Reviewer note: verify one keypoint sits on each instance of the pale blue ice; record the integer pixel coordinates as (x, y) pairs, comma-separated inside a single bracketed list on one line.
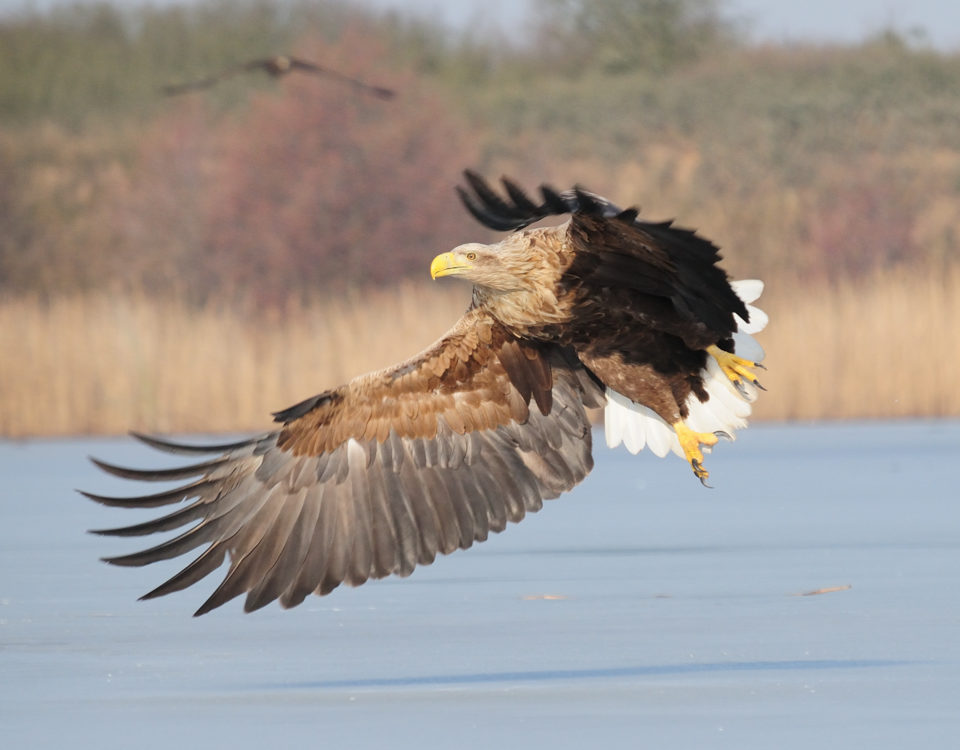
[(639, 611)]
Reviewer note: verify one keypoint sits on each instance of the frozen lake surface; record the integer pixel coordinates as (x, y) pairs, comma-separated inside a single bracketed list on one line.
[(640, 610)]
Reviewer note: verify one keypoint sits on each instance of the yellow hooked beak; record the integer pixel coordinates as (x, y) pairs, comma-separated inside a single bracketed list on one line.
[(447, 264)]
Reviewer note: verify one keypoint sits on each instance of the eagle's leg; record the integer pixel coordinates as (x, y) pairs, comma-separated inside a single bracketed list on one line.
[(737, 369), (690, 442)]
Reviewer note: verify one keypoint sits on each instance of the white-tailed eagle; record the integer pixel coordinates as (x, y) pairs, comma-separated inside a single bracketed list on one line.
[(386, 472)]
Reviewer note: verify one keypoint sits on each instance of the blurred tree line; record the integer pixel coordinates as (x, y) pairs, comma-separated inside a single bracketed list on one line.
[(810, 161)]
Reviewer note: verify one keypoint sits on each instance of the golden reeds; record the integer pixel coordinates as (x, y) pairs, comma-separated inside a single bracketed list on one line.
[(887, 346), (103, 365)]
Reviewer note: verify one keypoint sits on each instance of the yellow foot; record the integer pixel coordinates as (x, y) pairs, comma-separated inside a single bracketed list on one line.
[(690, 442), (737, 369)]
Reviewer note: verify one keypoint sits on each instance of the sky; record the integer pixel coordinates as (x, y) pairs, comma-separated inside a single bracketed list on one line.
[(850, 20), (773, 20), (937, 21)]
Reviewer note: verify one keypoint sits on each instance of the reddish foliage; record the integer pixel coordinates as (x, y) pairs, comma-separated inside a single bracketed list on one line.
[(315, 185), (161, 219), (862, 222)]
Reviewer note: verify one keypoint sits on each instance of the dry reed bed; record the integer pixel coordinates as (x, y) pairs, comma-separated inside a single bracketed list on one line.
[(887, 346), (103, 365), (882, 347)]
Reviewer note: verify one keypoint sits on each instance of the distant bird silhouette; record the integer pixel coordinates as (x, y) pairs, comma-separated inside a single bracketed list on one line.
[(277, 66)]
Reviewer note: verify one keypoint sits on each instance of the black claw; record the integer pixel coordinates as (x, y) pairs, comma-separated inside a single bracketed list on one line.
[(700, 473), (723, 435), (759, 365), (741, 388), (757, 383)]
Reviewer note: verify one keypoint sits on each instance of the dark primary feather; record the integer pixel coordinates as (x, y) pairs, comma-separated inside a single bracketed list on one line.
[(486, 205), (159, 475)]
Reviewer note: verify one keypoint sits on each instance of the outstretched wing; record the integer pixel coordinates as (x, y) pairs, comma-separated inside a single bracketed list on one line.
[(312, 68), (615, 250), (377, 476), (211, 80), (173, 89)]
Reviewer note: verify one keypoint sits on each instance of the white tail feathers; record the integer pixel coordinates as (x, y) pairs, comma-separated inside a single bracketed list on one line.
[(639, 427), (636, 426), (749, 290), (744, 344)]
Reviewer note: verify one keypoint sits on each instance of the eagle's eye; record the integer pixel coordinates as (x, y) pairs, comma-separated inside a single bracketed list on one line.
[(471, 256)]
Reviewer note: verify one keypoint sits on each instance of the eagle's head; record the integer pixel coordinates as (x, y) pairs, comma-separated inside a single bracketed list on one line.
[(507, 266)]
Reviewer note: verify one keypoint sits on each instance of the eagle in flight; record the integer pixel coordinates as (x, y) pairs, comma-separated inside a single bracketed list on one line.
[(397, 466), (277, 67)]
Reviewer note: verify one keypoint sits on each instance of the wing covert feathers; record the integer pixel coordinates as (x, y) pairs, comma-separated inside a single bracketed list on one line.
[(376, 477)]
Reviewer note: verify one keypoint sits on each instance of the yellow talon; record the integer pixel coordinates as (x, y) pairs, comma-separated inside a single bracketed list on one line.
[(737, 369), (690, 442)]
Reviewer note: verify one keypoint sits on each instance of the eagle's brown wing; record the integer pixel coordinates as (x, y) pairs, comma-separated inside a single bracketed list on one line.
[(668, 273), (308, 67), (380, 475), (199, 84)]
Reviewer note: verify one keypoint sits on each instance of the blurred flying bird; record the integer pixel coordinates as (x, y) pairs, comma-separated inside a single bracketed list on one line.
[(277, 67)]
